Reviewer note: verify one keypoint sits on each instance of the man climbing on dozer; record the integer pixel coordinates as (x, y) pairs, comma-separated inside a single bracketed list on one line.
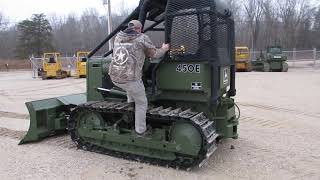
[(131, 47)]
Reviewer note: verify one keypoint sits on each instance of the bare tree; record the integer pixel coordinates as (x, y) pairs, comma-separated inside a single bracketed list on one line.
[(254, 13), (235, 7), (7, 38), (123, 10), (93, 32), (1, 19), (292, 13), (259, 23), (56, 21), (271, 25), (67, 36), (316, 29), (3, 22)]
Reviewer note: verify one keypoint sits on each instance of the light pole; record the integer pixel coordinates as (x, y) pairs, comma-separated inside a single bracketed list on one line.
[(107, 5)]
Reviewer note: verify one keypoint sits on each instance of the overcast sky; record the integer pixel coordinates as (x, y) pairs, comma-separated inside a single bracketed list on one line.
[(18, 10)]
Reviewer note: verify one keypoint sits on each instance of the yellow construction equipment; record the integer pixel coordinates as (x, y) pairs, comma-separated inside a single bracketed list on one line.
[(243, 62), (82, 64), (52, 67)]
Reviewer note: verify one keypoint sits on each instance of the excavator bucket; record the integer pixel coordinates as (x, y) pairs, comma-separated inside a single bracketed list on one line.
[(48, 116)]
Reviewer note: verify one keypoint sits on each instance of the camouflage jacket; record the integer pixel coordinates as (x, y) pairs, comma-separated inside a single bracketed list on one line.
[(129, 53)]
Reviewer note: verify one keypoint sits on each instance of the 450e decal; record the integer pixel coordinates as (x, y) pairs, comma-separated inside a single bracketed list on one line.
[(188, 68)]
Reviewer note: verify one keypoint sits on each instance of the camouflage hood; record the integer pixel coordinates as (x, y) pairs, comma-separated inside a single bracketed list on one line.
[(129, 55), (128, 35)]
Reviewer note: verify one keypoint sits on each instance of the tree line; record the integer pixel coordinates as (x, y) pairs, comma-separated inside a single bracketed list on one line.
[(290, 23), (259, 23), (43, 33)]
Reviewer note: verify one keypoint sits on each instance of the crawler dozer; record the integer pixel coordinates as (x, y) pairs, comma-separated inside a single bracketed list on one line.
[(189, 91), (81, 64), (273, 60), (52, 67), (243, 62)]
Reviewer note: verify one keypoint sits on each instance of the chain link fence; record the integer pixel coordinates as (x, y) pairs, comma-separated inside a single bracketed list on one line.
[(296, 58), (68, 63)]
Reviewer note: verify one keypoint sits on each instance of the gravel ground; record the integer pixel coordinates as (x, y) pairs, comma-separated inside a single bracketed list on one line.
[(279, 134)]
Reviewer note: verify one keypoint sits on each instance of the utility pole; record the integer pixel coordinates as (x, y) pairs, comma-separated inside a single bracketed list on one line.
[(107, 5)]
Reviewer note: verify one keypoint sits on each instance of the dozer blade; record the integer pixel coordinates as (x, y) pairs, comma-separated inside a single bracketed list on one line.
[(48, 116)]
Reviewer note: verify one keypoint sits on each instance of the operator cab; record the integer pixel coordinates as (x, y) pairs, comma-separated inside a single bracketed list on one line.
[(275, 50), (84, 59), (52, 59)]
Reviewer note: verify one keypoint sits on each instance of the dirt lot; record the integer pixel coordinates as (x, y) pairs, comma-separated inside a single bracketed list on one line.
[(279, 134)]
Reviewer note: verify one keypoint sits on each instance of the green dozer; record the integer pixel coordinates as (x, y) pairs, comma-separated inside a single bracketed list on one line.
[(189, 91), (274, 60)]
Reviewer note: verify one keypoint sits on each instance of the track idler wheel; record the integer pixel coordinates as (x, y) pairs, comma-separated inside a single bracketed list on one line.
[(84, 119), (188, 137), (285, 67), (43, 75), (266, 67)]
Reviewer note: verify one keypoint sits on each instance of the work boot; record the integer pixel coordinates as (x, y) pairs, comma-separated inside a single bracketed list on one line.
[(131, 106), (147, 133)]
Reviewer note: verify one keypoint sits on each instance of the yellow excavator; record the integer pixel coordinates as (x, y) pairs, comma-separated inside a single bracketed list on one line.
[(81, 64), (243, 62), (52, 67)]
